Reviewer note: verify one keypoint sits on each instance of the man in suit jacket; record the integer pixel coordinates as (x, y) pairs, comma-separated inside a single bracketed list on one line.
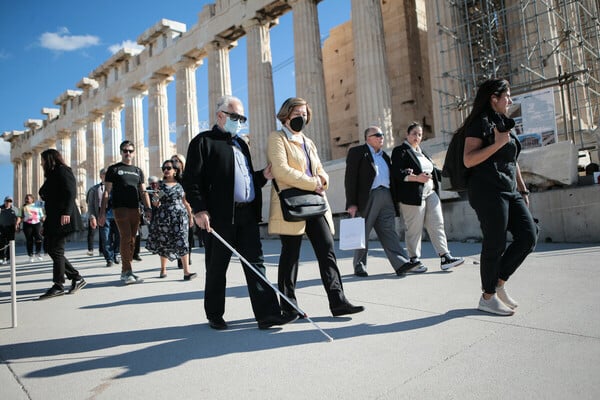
[(369, 195)]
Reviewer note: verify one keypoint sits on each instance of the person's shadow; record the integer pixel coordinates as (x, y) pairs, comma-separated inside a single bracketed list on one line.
[(178, 344)]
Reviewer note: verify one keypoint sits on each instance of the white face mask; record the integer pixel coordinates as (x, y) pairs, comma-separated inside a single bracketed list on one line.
[(233, 127)]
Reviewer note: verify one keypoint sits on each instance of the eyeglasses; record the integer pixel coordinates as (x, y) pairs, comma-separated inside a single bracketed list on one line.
[(236, 117), (378, 134), (167, 168), (125, 151)]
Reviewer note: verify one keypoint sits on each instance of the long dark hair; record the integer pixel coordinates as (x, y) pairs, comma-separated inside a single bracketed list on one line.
[(481, 105), (52, 159)]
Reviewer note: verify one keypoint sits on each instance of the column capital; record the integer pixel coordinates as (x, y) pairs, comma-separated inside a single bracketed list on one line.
[(219, 43), (26, 155), (260, 20), (189, 61)]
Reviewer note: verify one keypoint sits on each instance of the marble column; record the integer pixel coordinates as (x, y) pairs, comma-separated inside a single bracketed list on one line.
[(373, 93), (27, 182), (219, 75), (310, 80), (18, 178), (37, 172), (134, 124), (95, 148), (63, 145), (187, 103), (78, 161), (261, 98), (112, 134), (158, 124)]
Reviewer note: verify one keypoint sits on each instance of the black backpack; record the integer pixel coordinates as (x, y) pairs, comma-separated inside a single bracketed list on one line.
[(454, 172)]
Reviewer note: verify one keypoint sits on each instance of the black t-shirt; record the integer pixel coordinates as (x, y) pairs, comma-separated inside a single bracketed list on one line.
[(500, 169), (126, 180)]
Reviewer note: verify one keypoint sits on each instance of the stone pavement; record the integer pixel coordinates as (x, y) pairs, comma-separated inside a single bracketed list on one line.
[(419, 338)]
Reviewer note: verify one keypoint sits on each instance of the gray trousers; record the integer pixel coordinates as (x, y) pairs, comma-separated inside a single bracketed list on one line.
[(429, 216), (380, 214)]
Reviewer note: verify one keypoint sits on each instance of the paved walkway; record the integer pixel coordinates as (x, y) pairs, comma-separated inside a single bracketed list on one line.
[(419, 338)]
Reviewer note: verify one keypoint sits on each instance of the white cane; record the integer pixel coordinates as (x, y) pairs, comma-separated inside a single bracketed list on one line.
[(264, 278)]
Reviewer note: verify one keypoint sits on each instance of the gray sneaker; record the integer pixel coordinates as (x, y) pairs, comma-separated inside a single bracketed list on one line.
[(137, 278), (127, 278), (418, 269), (494, 306)]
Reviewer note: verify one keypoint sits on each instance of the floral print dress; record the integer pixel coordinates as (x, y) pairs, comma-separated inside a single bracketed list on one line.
[(168, 231)]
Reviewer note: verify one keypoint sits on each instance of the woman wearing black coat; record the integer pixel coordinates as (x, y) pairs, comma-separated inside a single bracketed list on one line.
[(62, 218), (417, 183)]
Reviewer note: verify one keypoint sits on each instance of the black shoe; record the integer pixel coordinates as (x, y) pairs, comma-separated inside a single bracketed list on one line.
[(407, 266), (179, 263), (76, 285), (274, 320), (137, 258), (217, 323), (345, 309), (359, 270), (189, 277), (54, 291), (109, 263), (117, 260)]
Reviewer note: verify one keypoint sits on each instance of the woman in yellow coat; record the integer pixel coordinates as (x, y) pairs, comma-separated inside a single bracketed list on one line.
[(295, 163)]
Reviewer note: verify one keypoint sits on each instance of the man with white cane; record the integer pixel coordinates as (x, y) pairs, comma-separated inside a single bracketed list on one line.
[(224, 192)]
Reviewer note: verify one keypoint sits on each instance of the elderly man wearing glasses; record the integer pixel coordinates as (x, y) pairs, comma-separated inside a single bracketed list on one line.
[(224, 192), (369, 195)]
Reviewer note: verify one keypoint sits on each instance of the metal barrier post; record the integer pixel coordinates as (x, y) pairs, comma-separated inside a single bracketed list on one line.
[(13, 283)]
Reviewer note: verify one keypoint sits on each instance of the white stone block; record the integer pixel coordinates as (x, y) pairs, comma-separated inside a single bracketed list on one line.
[(554, 164)]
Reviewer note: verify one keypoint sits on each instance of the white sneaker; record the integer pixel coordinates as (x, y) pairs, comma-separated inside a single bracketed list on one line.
[(494, 306), (31, 259), (506, 299), (40, 258), (3, 262), (90, 253)]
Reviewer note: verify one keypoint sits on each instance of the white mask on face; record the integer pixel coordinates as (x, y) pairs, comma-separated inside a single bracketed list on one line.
[(233, 127)]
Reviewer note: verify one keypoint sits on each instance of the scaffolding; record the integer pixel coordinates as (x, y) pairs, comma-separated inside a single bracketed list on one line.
[(535, 44)]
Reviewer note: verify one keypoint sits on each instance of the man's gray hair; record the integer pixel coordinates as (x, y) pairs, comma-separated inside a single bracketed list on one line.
[(224, 102)]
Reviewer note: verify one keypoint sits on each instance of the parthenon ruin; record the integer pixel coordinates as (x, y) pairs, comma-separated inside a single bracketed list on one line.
[(396, 61)]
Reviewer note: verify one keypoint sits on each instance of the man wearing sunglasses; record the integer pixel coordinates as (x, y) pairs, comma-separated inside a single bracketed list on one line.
[(224, 192), (369, 195), (124, 184)]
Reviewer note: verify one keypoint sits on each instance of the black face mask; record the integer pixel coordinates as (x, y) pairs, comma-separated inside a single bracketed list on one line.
[(298, 123)]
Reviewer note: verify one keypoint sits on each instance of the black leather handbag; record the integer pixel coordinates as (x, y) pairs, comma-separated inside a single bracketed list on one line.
[(300, 205)]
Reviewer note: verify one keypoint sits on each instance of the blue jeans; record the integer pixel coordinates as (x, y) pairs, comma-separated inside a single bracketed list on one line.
[(109, 239)]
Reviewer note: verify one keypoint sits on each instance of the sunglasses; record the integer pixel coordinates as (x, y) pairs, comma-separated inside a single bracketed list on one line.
[(125, 151), (167, 168), (378, 134), (236, 117)]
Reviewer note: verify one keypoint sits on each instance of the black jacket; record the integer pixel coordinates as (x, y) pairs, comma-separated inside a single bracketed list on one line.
[(208, 179), (58, 192), (360, 173), (411, 193)]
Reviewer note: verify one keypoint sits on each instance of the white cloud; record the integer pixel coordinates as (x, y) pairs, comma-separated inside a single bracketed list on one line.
[(130, 44), (64, 41)]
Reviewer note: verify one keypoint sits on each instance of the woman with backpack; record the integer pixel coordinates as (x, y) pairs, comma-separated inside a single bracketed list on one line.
[(497, 193)]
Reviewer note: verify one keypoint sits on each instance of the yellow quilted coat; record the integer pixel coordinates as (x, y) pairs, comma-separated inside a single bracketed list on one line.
[(288, 165)]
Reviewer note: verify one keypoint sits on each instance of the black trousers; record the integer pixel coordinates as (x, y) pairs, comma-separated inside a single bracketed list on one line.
[(54, 243), (499, 213), (242, 235), (7, 233), (33, 234), (318, 232)]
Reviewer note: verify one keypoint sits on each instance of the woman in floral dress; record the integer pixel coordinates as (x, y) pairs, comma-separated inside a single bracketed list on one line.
[(168, 232)]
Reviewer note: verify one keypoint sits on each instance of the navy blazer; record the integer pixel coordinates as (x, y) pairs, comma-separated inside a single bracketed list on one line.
[(411, 193), (360, 173)]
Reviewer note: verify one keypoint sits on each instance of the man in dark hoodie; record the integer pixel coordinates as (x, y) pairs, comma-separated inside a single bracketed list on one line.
[(224, 192)]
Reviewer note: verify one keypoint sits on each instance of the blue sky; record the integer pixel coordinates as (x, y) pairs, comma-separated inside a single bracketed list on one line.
[(46, 47)]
